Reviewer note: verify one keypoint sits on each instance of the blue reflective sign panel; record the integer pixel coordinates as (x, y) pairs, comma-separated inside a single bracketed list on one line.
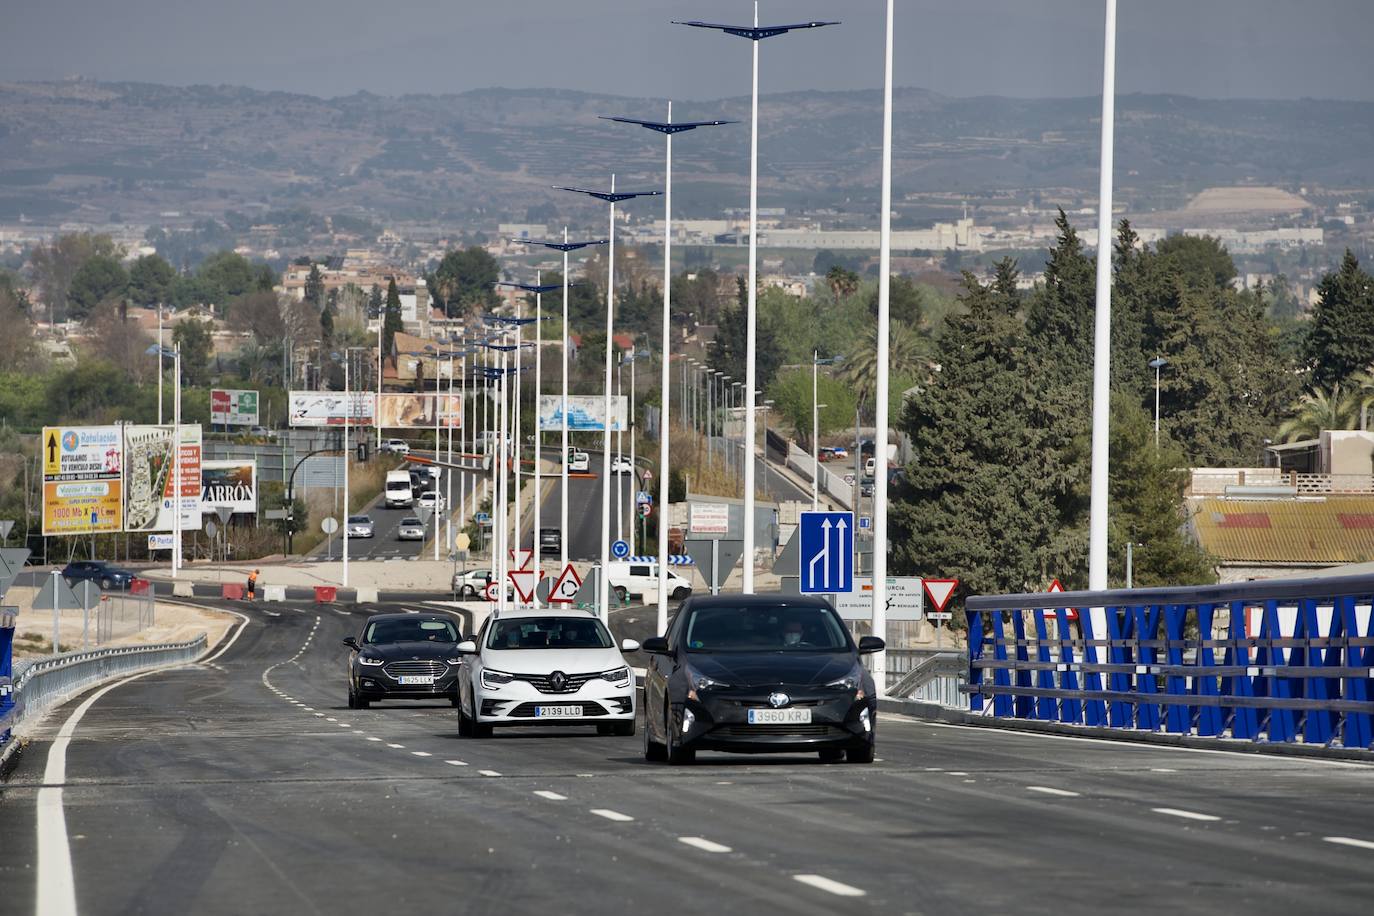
[(827, 552)]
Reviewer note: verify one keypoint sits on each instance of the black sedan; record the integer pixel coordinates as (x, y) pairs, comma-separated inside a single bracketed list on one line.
[(404, 657), (101, 573), (759, 674)]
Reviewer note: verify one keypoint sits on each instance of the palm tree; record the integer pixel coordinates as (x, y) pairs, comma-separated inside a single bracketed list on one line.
[(906, 356), (1319, 409)]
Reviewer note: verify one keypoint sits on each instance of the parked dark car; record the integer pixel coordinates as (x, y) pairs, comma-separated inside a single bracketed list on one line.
[(759, 674), (550, 540), (101, 573), (404, 657)]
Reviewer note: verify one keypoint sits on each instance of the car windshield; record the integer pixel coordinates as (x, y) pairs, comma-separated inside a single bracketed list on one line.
[(549, 633), (765, 629), (411, 629)]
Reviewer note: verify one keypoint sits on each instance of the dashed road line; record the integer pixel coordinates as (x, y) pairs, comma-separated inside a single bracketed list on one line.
[(703, 844), (551, 796), (1186, 815), (831, 886), (396, 746), (455, 763), (492, 773), (610, 815), (1349, 841), (1049, 790), (371, 738), (421, 754)]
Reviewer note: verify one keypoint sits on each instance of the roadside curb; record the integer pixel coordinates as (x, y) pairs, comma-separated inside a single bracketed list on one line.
[(934, 712), (9, 757)]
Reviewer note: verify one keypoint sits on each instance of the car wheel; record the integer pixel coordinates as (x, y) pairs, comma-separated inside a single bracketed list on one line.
[(676, 754), (71, 583), (469, 592), (363, 702), (480, 730), (106, 584), (352, 699), (861, 754), (832, 755), (622, 594), (455, 698), (653, 751), (464, 723), (680, 593)]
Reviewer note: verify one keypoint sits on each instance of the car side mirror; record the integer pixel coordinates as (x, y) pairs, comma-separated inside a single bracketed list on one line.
[(351, 643), (870, 644), (654, 645), (629, 645), (467, 647)]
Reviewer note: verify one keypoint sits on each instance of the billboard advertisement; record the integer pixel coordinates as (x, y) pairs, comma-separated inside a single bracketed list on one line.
[(328, 408), (229, 483), (586, 413), (233, 407), (416, 411), (149, 478), (82, 483)]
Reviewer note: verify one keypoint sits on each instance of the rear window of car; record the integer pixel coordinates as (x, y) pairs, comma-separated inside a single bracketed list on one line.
[(413, 522)]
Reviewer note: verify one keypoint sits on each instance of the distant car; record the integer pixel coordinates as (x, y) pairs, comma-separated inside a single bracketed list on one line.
[(360, 526), (262, 432), (839, 451), (621, 465), (101, 573), (869, 466), (410, 529), (640, 580), (550, 540), (395, 446), (866, 488), (404, 657), (473, 584), (578, 460), (432, 500)]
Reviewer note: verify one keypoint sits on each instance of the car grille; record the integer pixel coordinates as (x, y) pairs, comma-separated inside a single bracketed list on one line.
[(542, 683), (409, 669), (784, 731)]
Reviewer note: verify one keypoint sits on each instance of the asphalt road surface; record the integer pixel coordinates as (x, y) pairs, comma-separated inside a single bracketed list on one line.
[(244, 785), (384, 545)]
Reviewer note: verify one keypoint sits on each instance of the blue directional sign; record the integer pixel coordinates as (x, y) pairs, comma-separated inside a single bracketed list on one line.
[(620, 550), (827, 551)]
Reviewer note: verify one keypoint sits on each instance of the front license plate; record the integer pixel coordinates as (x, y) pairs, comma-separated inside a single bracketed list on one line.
[(780, 716), (409, 680), (557, 712)]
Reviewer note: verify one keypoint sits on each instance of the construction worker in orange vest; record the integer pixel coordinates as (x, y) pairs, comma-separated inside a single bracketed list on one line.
[(253, 583)]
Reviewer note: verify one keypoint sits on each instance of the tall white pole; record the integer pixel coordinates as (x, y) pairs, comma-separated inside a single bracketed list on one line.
[(619, 450), (377, 407), (605, 597), (438, 447), (1158, 366), (160, 373), (815, 434), (462, 435), (538, 390), (631, 477), (348, 430), (515, 417), (448, 499), (563, 454), (664, 381), (500, 515), (751, 337), (884, 333), (176, 460), (1102, 330)]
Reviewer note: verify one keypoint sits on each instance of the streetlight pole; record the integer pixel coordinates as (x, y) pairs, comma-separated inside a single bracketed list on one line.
[(667, 128), (884, 342), (756, 33), (1156, 364), (176, 458), (1102, 329), (348, 417), (565, 247), (612, 197)]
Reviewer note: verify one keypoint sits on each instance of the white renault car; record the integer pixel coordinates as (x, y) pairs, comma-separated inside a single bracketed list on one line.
[(542, 666)]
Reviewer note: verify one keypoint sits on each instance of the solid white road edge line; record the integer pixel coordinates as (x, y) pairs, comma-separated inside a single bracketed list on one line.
[(703, 844), (1048, 790), (1187, 815), (231, 640), (610, 815), (1349, 841), (834, 887)]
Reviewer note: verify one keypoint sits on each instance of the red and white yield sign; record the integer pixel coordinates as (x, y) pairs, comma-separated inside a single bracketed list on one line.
[(565, 589), (939, 591), (1055, 587)]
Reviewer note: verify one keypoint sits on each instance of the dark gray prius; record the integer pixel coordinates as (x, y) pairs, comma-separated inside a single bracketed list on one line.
[(759, 674)]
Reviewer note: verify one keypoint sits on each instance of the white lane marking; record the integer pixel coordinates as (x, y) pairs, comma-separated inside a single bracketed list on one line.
[(308, 708), (421, 754), (344, 725), (397, 746), (1187, 815), (1162, 770), (1048, 790), (237, 633), (1349, 841), (834, 887), (489, 772), (455, 763), (371, 738), (320, 715), (956, 773), (610, 815), (551, 796), (703, 844), (331, 719)]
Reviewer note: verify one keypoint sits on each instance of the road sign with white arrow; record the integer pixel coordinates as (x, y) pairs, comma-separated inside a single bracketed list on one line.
[(827, 551)]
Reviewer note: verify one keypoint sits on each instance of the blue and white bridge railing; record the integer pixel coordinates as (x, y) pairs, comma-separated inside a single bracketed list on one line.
[(674, 559), (1281, 660)]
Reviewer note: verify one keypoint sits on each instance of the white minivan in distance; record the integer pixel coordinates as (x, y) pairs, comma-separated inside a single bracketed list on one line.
[(398, 492), (640, 580)]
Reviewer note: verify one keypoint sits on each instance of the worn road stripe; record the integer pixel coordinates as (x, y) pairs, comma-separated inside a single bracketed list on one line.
[(703, 844), (455, 763), (489, 772), (830, 886), (610, 815), (1349, 841), (1187, 815), (421, 754), (1049, 790), (551, 796)]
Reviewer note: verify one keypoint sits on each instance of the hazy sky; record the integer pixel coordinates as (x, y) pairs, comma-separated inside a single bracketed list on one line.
[(1211, 48)]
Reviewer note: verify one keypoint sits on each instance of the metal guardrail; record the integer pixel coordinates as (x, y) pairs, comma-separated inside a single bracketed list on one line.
[(927, 675), (1279, 660), (39, 685)]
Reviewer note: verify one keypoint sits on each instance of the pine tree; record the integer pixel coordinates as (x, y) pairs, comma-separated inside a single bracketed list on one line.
[(392, 323), (314, 287), (374, 302), (1341, 342)]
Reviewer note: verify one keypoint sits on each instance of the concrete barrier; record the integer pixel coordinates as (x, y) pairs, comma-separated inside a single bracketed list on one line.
[(182, 589), (365, 596), (274, 593)]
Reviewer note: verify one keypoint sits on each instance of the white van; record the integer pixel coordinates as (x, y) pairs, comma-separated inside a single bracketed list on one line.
[(398, 492), (640, 580)]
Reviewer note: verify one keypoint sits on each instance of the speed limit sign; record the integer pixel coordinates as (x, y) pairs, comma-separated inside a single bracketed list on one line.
[(493, 591)]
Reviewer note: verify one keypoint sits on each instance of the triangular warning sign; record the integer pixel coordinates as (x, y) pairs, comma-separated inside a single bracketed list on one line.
[(939, 591), (522, 557), (1054, 589), (565, 590)]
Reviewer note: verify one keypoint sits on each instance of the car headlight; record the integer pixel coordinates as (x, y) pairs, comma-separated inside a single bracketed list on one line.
[(617, 676), (702, 682), (370, 661), (854, 681), (494, 679)]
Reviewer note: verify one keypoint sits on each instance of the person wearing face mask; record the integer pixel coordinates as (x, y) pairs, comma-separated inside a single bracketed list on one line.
[(792, 633)]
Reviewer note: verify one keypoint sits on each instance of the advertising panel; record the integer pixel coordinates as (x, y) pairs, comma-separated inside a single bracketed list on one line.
[(233, 407), (149, 479), (709, 518), (328, 408), (586, 413), (82, 486), (416, 411), (229, 483)]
